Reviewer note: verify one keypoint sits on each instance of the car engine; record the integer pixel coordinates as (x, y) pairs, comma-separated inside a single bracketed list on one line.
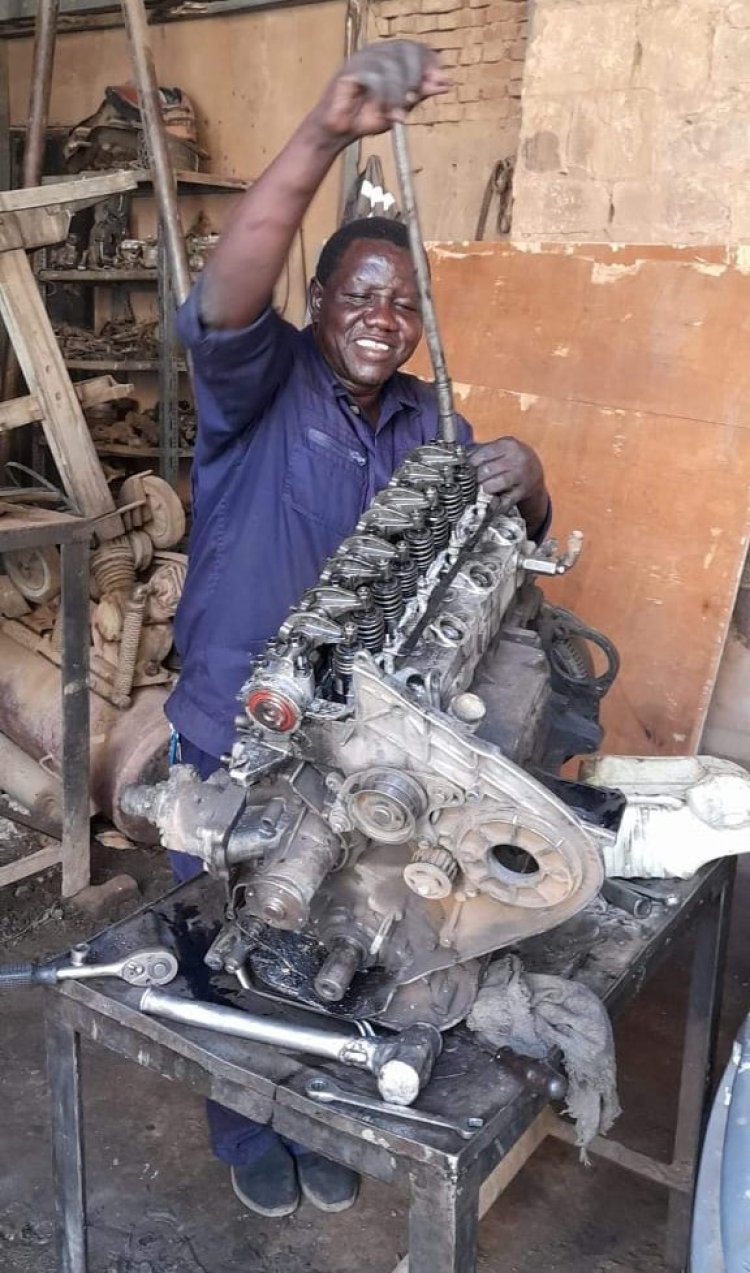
[(391, 812)]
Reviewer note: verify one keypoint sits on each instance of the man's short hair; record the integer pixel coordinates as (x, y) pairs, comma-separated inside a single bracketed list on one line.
[(377, 229)]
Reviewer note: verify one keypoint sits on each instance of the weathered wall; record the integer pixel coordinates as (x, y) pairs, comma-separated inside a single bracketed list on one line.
[(457, 138), (636, 120)]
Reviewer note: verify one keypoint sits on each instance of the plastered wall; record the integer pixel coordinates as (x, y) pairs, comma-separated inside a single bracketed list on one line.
[(636, 122)]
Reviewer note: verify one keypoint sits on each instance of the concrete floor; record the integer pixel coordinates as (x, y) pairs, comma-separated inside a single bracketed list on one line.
[(160, 1204)]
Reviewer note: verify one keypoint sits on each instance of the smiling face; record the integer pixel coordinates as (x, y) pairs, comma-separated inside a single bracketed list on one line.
[(366, 318)]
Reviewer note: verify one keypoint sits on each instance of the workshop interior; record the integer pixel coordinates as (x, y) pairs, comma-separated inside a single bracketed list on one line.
[(451, 936)]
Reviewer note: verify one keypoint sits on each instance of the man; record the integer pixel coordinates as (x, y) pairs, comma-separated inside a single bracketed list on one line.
[(298, 431)]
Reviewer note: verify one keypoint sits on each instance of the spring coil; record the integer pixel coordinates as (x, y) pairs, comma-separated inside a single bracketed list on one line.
[(342, 662), (437, 520), (421, 546), (452, 497), (466, 476), (370, 623), (407, 571), (387, 595), (113, 567)]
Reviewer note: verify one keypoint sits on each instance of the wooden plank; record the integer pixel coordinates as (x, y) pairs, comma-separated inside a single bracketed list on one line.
[(662, 496), (91, 393), (638, 331), (35, 228), (19, 411), (78, 192), (42, 364), (664, 505), (30, 865)]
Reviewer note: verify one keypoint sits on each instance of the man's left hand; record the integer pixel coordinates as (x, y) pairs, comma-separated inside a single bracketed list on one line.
[(513, 471)]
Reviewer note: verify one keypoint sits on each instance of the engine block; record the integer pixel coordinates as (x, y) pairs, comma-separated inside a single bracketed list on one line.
[(389, 814)]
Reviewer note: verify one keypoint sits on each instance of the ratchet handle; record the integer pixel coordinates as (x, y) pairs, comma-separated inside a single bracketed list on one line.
[(26, 975)]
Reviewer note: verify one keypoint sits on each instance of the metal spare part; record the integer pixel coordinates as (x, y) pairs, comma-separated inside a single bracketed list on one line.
[(388, 814), (35, 572)]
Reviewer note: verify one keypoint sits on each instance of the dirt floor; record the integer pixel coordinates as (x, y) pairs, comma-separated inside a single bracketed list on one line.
[(160, 1204)]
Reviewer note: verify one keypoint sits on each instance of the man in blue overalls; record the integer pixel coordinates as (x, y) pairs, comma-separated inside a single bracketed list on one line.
[(297, 432)]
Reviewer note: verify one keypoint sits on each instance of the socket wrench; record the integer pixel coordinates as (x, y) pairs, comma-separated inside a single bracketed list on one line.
[(326, 1091), (151, 966)]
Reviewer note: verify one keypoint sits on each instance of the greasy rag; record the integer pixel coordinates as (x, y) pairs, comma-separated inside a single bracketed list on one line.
[(532, 1013)]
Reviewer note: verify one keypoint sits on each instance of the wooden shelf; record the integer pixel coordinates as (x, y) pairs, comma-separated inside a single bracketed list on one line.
[(187, 182), (98, 276), (194, 182), (138, 452), (116, 364)]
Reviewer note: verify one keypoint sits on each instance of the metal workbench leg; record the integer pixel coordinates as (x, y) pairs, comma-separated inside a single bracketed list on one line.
[(63, 1076), (699, 1048), (76, 839), (443, 1223)]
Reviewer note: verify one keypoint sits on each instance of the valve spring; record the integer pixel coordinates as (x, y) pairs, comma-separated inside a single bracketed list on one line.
[(468, 482), (452, 497), (421, 545), (386, 593), (437, 520), (343, 662), (408, 573), (370, 623)]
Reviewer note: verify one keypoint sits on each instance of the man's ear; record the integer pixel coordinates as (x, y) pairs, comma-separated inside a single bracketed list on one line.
[(314, 299)]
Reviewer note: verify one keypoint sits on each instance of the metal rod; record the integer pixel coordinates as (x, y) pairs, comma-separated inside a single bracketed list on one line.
[(446, 416), (355, 34), (243, 1025), (45, 30), (74, 686), (165, 188)]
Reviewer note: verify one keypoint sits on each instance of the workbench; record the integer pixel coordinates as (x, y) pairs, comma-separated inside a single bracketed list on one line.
[(28, 528), (451, 1181)]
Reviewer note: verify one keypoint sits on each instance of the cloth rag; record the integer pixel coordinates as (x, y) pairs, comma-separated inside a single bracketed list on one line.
[(532, 1013)]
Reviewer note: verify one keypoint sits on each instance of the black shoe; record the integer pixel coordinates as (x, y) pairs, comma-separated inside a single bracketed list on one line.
[(269, 1185), (327, 1185)]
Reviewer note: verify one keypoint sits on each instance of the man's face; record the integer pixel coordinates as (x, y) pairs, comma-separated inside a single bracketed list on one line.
[(366, 319)]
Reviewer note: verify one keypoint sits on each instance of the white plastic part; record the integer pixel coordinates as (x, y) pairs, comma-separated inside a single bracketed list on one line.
[(682, 812)]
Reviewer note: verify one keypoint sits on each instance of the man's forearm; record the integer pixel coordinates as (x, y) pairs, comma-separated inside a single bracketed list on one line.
[(250, 254)]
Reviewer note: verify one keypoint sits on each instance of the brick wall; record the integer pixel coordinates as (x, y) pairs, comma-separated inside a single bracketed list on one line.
[(482, 44), (457, 138), (636, 122)]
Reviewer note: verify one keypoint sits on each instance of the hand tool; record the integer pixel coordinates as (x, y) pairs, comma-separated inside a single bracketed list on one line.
[(619, 894), (402, 1063), (327, 1091), (539, 1076), (661, 891), (152, 966), (448, 431)]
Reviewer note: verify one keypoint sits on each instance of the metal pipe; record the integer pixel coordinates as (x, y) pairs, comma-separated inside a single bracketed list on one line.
[(165, 188), (333, 1045), (448, 430), (45, 29)]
